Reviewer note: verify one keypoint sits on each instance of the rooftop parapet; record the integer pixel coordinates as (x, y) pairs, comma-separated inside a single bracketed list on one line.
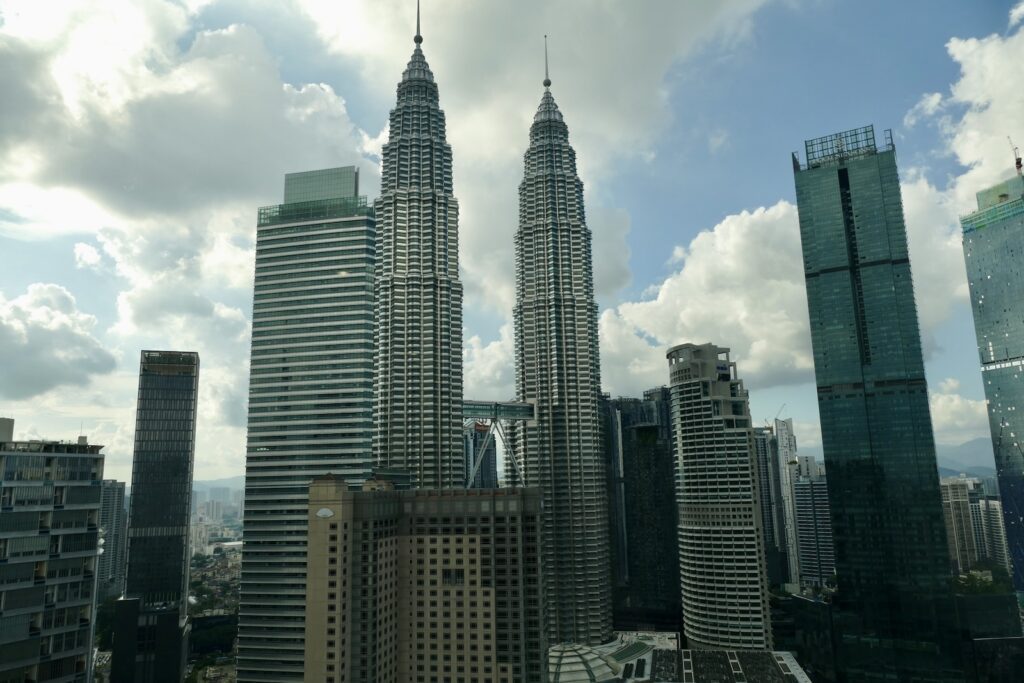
[(320, 209)]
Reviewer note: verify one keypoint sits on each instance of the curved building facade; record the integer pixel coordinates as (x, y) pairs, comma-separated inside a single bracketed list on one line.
[(723, 577), (558, 369), (417, 410)]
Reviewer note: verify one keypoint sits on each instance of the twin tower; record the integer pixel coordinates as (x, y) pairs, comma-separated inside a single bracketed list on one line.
[(418, 387)]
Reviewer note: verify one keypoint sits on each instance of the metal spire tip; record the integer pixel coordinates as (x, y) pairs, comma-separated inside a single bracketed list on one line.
[(417, 38), (547, 79)]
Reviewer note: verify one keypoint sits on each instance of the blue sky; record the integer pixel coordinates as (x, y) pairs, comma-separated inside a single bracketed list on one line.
[(140, 136)]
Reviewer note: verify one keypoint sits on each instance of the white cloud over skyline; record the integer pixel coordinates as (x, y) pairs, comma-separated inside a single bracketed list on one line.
[(151, 151)]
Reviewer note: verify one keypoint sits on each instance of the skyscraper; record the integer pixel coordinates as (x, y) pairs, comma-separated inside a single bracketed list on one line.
[(49, 519), (558, 369), (815, 548), (642, 512), (896, 618), (722, 569), (310, 397), (785, 440), (151, 620), (993, 241), (766, 455), (417, 408), (956, 510), (114, 523)]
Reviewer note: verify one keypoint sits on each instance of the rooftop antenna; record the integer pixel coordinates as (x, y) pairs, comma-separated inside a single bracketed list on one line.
[(417, 38), (547, 80), (1016, 154)]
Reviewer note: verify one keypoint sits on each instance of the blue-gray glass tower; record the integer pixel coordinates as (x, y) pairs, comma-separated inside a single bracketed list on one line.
[(994, 248), (151, 627), (894, 604)]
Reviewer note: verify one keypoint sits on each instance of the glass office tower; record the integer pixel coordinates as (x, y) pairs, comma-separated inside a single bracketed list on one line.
[(151, 627), (895, 612), (310, 398), (993, 247)]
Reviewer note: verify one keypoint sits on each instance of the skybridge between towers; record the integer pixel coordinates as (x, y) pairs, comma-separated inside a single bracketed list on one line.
[(496, 415)]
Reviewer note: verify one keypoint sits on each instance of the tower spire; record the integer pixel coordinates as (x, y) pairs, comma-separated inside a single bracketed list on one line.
[(547, 79), (417, 38)]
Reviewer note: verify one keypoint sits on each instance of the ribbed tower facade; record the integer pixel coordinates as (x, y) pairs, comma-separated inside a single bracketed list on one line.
[(417, 293), (558, 369)]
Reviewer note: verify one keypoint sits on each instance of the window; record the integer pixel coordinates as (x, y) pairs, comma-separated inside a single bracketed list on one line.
[(453, 577)]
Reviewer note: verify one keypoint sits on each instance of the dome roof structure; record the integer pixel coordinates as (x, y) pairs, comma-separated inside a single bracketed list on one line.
[(569, 663)]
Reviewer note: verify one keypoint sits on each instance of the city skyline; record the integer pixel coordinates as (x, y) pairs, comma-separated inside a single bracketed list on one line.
[(118, 298)]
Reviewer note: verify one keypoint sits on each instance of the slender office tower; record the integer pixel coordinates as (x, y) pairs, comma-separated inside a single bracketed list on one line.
[(894, 605), (417, 409), (722, 570), (310, 405), (993, 240), (558, 369), (151, 621)]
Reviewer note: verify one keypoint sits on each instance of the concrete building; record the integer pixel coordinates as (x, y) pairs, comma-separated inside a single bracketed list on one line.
[(151, 620), (993, 242), (310, 397), (723, 576), (992, 544), (114, 530), (558, 369), (642, 512), (423, 585), (815, 547), (788, 465), (895, 613), (417, 407), (773, 521), (49, 544), (956, 511)]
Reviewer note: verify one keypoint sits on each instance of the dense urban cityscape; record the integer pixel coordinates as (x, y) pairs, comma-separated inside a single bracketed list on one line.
[(392, 527)]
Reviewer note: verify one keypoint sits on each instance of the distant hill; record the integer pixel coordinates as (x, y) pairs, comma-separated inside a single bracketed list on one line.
[(229, 482), (973, 457)]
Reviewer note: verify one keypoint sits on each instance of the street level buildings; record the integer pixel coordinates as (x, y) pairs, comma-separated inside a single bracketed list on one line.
[(114, 529), (642, 512), (422, 586), (993, 242), (151, 620), (895, 612), (310, 398), (417, 405), (723, 577), (558, 370), (49, 542)]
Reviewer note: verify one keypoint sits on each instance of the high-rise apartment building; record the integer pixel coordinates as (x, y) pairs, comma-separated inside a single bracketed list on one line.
[(992, 544), (114, 528), (417, 407), (773, 522), (481, 457), (895, 612), (558, 369), (815, 549), (310, 398), (418, 586), (151, 620), (49, 542), (993, 241), (642, 512), (788, 464), (722, 569), (956, 511)]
